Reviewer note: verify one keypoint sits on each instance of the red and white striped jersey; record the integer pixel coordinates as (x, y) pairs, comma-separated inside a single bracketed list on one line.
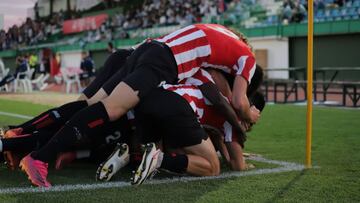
[(199, 78), (203, 109), (209, 45)]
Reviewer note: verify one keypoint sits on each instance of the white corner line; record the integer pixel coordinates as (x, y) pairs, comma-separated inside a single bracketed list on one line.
[(15, 115), (283, 167)]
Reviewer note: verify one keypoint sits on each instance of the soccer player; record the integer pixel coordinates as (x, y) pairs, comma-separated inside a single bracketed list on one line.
[(96, 147), (169, 59), (182, 132), (165, 117), (224, 140), (187, 90), (174, 57)]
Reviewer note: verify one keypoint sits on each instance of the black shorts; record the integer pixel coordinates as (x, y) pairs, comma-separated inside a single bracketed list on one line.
[(113, 64), (146, 68), (118, 131), (165, 115), (103, 144)]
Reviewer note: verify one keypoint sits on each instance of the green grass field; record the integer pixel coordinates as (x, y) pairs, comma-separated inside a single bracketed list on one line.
[(280, 135)]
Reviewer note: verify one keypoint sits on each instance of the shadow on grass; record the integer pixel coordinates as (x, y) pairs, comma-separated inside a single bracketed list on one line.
[(287, 187)]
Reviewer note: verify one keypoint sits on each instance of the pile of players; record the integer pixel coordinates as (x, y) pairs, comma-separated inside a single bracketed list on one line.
[(185, 96)]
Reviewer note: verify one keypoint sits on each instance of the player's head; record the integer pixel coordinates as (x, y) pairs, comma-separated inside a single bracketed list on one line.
[(258, 100), (256, 81), (242, 37)]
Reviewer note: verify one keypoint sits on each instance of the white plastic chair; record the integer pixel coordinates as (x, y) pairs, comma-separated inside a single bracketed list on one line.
[(70, 80), (24, 79), (21, 81), (39, 83), (5, 88), (3, 73)]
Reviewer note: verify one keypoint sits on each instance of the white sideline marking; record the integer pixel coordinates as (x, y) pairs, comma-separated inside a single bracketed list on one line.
[(15, 115), (283, 167)]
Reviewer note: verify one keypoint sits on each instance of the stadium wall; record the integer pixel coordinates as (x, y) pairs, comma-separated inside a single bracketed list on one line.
[(73, 58), (329, 51), (272, 53), (70, 59), (99, 57), (9, 62)]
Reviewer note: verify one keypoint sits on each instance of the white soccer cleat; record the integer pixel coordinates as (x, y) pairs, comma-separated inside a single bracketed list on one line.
[(148, 166), (117, 160)]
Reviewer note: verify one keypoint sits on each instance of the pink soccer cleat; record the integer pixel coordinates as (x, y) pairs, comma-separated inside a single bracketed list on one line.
[(36, 171)]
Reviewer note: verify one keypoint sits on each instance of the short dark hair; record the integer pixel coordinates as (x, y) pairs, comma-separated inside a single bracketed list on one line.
[(258, 100), (256, 81)]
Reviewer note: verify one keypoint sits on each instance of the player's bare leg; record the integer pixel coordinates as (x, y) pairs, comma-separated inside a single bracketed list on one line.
[(118, 103), (200, 160), (100, 95), (203, 160)]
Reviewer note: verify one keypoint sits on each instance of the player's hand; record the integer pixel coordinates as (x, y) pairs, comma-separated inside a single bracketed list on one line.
[(240, 129), (245, 126), (254, 114), (249, 166), (241, 136)]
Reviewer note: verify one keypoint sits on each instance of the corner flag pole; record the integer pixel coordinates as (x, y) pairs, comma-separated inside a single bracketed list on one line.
[(309, 82)]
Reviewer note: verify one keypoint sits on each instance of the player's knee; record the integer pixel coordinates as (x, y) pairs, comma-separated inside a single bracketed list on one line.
[(208, 170), (215, 167), (114, 111), (100, 95)]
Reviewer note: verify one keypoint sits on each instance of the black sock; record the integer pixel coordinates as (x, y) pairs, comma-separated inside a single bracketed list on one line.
[(29, 122), (176, 163), (85, 122), (25, 143), (56, 117)]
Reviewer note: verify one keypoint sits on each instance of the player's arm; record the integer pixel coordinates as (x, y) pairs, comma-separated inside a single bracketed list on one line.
[(218, 141), (237, 160), (220, 82), (211, 92), (231, 151), (241, 103)]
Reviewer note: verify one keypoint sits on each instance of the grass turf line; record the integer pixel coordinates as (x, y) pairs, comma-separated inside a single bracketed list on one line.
[(280, 135), (283, 167)]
